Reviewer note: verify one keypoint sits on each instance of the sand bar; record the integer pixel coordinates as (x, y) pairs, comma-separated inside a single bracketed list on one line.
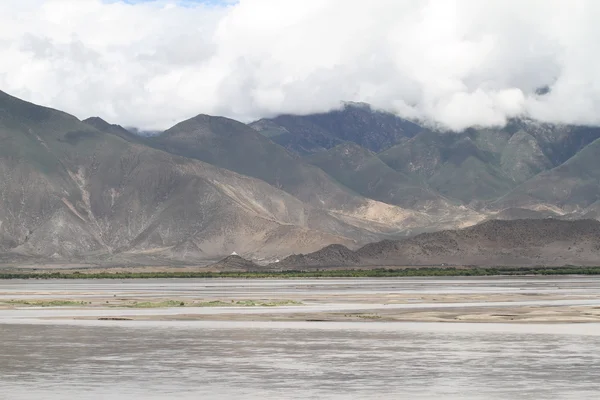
[(489, 300)]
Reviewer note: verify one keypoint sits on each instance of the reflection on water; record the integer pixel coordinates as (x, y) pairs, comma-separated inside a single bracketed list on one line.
[(91, 359), (167, 360)]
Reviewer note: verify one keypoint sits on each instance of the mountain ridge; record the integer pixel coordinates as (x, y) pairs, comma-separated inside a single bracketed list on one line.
[(353, 122), (548, 242), (74, 192), (92, 191)]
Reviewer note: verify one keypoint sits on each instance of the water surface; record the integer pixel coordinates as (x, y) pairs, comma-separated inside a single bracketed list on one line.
[(221, 360), (91, 359)]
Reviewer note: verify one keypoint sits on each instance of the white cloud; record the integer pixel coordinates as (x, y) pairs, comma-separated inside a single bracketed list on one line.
[(453, 62)]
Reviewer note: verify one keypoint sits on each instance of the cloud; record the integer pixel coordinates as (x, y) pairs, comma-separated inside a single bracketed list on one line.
[(455, 63)]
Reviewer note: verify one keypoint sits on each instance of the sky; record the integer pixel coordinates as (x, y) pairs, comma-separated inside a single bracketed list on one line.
[(451, 63)]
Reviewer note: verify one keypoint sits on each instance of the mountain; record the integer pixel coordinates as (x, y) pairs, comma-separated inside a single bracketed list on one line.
[(571, 187), (91, 191), (475, 167), (558, 142), (229, 144), (482, 165), (114, 129), (296, 135), (362, 171), (493, 243), (354, 122), (472, 167), (339, 204), (72, 192)]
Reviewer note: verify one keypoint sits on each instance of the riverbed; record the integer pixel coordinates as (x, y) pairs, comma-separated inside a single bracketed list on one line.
[(451, 338)]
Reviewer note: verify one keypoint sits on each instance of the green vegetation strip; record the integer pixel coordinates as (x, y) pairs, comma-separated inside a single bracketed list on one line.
[(46, 303), (214, 303), (155, 304), (348, 273)]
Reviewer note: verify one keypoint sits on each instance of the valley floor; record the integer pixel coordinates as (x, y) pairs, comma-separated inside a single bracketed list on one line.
[(499, 299)]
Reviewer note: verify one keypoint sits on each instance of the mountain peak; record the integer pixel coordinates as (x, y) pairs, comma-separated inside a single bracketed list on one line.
[(212, 123), (98, 123), (113, 129), (202, 118)]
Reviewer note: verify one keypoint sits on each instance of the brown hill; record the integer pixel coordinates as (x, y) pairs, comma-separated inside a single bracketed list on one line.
[(234, 263), (507, 243), (332, 255)]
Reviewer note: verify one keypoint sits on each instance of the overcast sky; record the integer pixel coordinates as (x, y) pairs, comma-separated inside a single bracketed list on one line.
[(151, 64)]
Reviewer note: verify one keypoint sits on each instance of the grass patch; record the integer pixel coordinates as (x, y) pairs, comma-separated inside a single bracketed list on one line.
[(369, 316), (213, 303), (46, 303), (276, 303), (150, 304)]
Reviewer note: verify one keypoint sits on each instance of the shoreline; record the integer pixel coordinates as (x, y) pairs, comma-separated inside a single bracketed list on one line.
[(366, 272), (118, 304), (483, 315)]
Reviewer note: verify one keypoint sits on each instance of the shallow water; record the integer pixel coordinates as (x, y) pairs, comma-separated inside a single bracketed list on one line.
[(258, 287), (164, 360), (91, 359)]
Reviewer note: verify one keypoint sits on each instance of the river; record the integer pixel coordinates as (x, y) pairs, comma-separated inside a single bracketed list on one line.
[(208, 359)]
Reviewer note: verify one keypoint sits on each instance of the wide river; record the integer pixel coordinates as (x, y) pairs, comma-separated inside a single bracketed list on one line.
[(66, 358)]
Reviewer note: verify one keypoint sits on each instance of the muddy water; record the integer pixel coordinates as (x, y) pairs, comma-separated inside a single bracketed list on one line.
[(216, 288), (91, 359), (168, 360)]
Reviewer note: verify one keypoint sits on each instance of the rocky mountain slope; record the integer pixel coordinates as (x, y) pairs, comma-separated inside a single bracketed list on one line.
[(493, 243), (485, 169), (71, 191), (365, 173), (229, 144), (94, 191), (339, 204), (354, 122), (572, 186), (91, 191), (336, 204)]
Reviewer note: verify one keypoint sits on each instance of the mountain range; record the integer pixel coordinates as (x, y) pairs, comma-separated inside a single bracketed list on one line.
[(548, 242), (95, 192)]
